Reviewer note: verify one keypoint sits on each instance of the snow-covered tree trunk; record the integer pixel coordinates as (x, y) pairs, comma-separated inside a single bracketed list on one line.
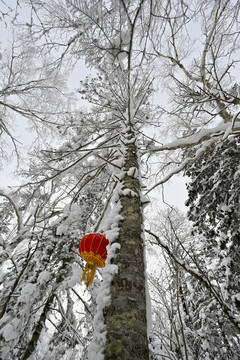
[(125, 317)]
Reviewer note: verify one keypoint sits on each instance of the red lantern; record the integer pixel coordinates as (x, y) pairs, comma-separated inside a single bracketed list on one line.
[(93, 250)]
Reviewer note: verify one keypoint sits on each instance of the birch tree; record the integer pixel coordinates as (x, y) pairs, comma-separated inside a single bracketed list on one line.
[(195, 315), (32, 96)]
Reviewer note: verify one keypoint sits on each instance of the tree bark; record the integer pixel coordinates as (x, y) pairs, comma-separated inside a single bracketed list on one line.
[(125, 318)]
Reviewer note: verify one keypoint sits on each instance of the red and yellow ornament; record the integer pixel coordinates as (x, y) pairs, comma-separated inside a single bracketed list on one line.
[(93, 250)]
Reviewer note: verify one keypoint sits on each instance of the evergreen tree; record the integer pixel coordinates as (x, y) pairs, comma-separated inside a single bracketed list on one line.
[(214, 210)]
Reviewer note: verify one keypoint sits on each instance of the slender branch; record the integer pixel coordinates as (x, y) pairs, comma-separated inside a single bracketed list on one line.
[(200, 277), (84, 302), (198, 137), (187, 161), (19, 223)]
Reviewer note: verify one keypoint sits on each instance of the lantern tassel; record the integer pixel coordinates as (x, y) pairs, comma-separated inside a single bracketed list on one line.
[(89, 272)]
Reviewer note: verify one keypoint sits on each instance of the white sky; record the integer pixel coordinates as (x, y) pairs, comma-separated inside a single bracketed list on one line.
[(174, 190)]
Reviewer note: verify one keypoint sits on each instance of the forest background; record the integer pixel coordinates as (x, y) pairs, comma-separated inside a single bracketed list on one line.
[(161, 97)]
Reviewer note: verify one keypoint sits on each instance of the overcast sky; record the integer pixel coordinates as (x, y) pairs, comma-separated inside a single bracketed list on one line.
[(174, 190)]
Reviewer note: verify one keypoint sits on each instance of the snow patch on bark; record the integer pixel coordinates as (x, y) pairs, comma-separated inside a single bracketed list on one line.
[(128, 192), (97, 347)]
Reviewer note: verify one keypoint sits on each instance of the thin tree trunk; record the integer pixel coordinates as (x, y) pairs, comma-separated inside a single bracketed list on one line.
[(125, 318), (38, 329)]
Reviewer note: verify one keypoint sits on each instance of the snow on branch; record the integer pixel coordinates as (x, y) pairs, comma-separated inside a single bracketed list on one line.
[(210, 136), (15, 208), (200, 276), (230, 129), (186, 161), (198, 137)]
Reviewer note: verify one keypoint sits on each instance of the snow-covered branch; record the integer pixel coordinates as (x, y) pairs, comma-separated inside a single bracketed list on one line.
[(198, 137), (15, 208), (200, 277)]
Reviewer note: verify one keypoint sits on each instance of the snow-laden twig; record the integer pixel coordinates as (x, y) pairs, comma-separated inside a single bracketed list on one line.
[(97, 226), (196, 138), (200, 277), (15, 208), (84, 302), (187, 161), (230, 127)]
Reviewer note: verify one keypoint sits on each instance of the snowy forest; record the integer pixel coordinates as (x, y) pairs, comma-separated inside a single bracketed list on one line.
[(104, 103)]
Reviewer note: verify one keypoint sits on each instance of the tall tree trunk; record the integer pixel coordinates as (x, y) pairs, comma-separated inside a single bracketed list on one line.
[(125, 318)]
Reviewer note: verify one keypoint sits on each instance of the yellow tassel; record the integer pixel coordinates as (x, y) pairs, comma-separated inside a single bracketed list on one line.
[(89, 272)]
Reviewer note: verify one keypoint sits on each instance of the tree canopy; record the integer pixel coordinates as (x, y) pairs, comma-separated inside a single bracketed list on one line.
[(161, 97)]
